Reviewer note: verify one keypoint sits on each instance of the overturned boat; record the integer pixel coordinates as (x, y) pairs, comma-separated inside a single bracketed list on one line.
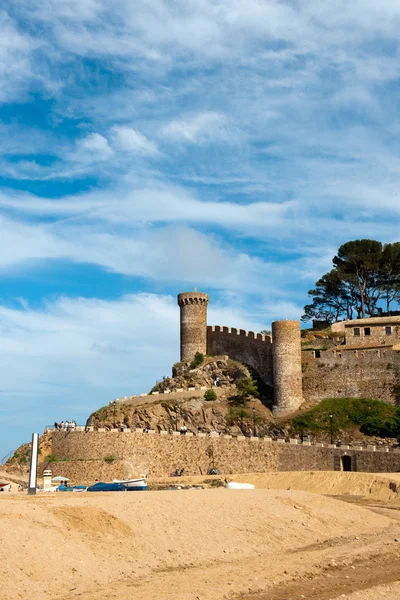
[(133, 485)]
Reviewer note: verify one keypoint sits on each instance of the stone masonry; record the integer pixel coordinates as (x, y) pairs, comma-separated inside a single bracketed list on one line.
[(286, 350), (367, 365), (193, 307), (278, 365), (83, 455)]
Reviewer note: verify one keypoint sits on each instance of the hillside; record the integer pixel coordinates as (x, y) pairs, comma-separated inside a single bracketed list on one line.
[(231, 411), (352, 419)]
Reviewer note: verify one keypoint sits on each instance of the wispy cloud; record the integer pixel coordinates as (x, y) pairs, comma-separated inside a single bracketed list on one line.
[(229, 145), (197, 129)]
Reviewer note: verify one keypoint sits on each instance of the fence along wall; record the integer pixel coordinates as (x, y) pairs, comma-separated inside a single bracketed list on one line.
[(353, 373), (250, 348)]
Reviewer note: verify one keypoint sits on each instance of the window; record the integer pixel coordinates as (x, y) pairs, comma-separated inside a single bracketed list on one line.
[(367, 330), (388, 330), (317, 353), (356, 331)]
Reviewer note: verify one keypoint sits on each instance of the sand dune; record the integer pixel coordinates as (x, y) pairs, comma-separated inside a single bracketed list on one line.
[(209, 543), (376, 487)]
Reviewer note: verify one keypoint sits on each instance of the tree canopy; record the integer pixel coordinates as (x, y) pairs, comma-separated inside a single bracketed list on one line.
[(364, 281)]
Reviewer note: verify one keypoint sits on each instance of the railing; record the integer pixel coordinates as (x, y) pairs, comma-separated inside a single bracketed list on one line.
[(52, 427), (6, 457)]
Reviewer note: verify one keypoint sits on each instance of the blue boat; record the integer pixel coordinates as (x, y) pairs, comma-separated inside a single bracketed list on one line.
[(73, 488), (107, 487)]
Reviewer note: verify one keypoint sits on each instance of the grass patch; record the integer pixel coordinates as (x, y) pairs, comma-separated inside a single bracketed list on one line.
[(110, 459), (373, 417)]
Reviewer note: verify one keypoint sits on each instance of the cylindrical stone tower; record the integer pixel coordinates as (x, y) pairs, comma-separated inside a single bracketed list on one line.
[(286, 353), (193, 324)]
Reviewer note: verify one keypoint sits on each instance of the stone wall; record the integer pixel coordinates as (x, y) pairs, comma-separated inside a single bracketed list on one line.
[(159, 455), (167, 396), (250, 348), (353, 374), (82, 455)]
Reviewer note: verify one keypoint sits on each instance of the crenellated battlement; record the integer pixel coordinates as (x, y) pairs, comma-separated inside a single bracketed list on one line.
[(192, 298), (241, 332)]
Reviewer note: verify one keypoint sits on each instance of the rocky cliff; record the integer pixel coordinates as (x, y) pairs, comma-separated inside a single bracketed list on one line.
[(227, 414)]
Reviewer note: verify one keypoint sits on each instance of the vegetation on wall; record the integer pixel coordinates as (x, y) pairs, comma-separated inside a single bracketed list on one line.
[(372, 417), (365, 277)]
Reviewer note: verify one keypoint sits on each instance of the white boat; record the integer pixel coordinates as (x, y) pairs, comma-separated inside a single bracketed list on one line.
[(235, 485), (133, 485), (5, 487)]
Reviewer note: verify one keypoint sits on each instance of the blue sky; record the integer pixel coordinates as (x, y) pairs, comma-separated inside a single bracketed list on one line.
[(148, 147)]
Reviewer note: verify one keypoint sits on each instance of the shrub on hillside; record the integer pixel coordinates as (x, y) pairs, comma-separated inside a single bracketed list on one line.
[(210, 395), (246, 388), (198, 359)]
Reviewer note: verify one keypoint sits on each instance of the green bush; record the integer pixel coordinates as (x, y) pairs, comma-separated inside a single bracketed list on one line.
[(246, 387), (198, 359), (52, 458), (210, 395), (236, 415)]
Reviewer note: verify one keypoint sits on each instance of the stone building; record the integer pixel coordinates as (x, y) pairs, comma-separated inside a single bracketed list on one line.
[(366, 365), (373, 332)]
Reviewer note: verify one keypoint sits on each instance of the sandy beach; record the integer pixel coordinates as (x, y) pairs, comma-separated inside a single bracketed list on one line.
[(266, 544)]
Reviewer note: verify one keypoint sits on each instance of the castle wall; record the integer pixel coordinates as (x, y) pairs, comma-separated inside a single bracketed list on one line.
[(83, 456), (250, 348), (352, 373)]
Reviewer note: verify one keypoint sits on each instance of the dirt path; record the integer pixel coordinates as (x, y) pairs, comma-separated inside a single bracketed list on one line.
[(341, 581), (320, 571)]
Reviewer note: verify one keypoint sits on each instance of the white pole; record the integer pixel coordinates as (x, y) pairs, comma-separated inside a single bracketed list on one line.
[(33, 467)]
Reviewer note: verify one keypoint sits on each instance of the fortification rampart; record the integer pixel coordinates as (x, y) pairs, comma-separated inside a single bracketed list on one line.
[(169, 396), (83, 455), (353, 373), (253, 349)]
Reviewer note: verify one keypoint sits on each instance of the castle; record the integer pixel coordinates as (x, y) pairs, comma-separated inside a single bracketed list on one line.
[(367, 364)]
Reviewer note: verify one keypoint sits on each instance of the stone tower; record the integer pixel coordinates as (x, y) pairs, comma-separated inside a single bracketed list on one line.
[(286, 356), (193, 307)]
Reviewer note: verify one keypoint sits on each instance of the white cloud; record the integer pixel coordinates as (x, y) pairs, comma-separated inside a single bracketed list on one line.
[(130, 140), (72, 356), (94, 146), (197, 129), (17, 66)]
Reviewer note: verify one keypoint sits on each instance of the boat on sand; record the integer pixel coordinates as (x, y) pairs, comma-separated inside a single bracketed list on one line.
[(133, 485)]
